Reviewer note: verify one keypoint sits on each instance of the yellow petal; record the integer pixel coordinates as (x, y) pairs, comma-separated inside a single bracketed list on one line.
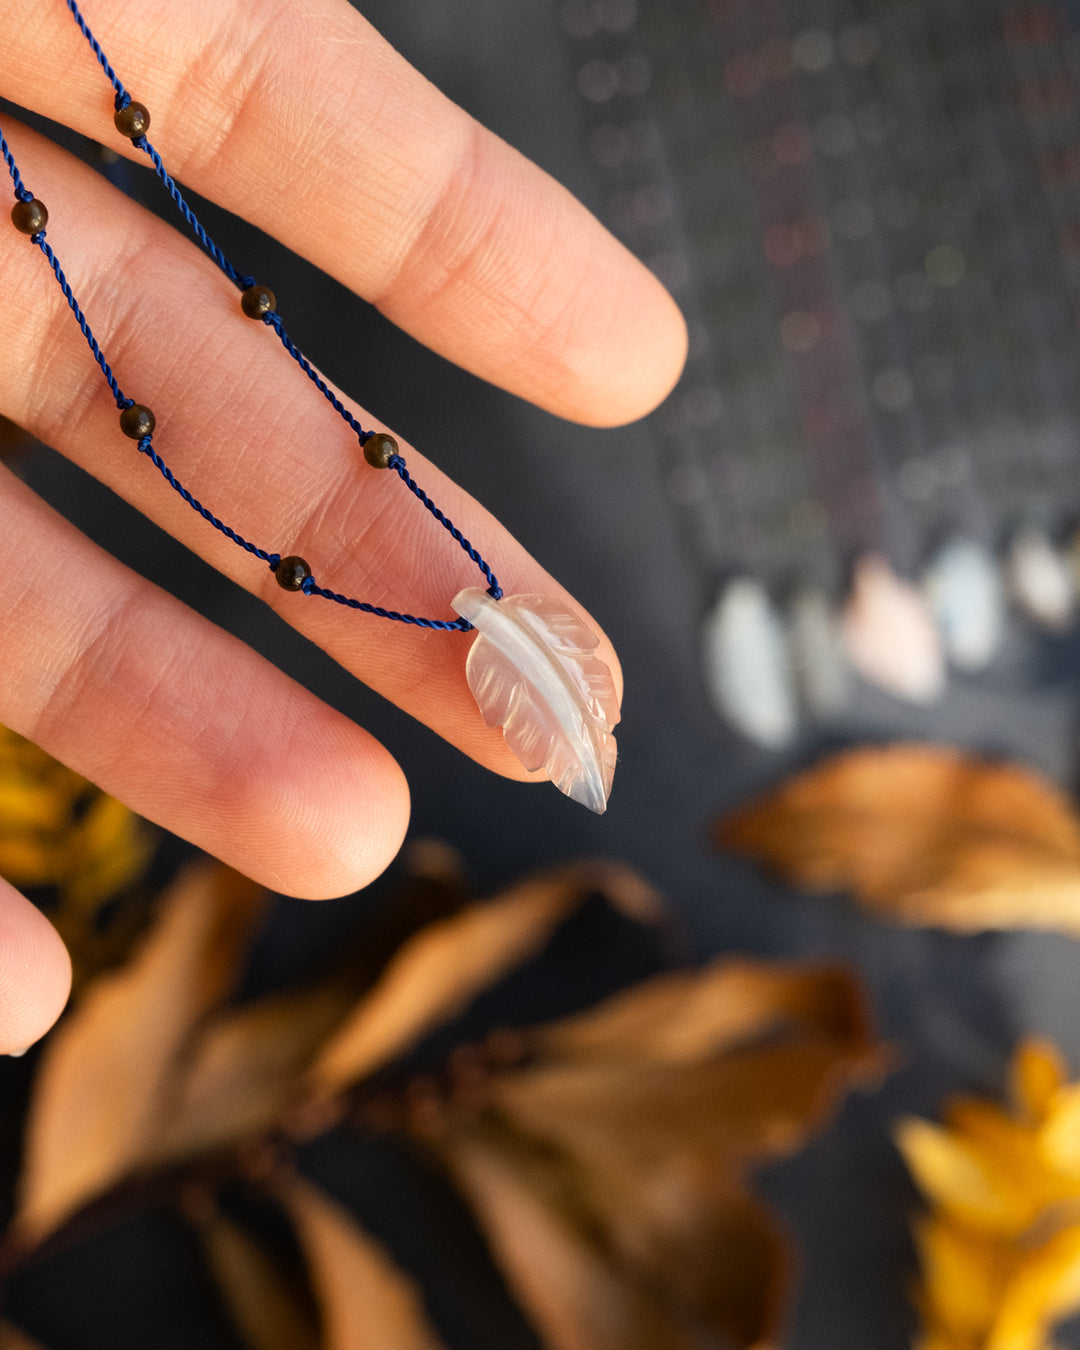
[(962, 1274), (1036, 1073), (1059, 1137), (958, 1176), (33, 861), (28, 804), (1044, 1289), (111, 846)]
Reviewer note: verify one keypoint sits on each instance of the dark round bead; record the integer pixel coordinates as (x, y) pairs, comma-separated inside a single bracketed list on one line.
[(137, 421), (291, 573), (132, 121), (29, 217), (257, 301), (379, 449)]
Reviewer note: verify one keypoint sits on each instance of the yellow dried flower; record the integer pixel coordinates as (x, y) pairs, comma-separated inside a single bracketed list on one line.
[(58, 830), (1000, 1248)]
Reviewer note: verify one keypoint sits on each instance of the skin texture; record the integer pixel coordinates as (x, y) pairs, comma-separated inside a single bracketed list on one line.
[(455, 237)]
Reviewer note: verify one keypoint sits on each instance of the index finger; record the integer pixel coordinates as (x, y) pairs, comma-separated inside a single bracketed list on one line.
[(304, 121)]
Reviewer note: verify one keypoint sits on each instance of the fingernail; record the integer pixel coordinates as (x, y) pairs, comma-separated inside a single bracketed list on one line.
[(17, 1054)]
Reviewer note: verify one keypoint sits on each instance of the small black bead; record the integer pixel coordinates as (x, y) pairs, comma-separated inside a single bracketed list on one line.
[(137, 421), (379, 449), (291, 573), (29, 217), (132, 121), (257, 301)]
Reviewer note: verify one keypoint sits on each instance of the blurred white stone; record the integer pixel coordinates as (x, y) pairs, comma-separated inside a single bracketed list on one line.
[(967, 599), (1040, 580), (746, 666), (889, 636)]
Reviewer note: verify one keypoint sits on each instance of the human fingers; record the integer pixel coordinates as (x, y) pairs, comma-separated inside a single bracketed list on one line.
[(304, 121), (183, 722), (241, 426), (35, 972)]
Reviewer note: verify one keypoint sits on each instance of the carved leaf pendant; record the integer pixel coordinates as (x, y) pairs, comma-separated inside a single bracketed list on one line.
[(532, 671)]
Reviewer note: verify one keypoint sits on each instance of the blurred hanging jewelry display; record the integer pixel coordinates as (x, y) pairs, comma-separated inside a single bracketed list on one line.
[(888, 344), (532, 667)]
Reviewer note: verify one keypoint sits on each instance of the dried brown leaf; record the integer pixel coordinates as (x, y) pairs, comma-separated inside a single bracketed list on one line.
[(576, 1293), (924, 834), (266, 1308), (104, 1088), (756, 1102), (367, 1302), (737, 1060), (439, 970), (11, 1338), (692, 1015), (243, 1071)]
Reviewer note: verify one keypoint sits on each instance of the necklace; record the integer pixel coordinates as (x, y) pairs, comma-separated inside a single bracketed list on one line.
[(532, 667)]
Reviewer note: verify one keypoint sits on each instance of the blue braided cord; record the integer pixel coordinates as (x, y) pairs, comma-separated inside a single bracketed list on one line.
[(274, 321), (147, 447), (122, 96), (189, 215), (311, 587), (65, 286), (398, 464), (21, 190)]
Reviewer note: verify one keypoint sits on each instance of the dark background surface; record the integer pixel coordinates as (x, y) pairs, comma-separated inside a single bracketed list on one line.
[(596, 508)]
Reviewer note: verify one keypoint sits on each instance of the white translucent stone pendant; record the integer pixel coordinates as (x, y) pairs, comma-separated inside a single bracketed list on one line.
[(746, 666), (533, 672), (889, 636), (967, 600)]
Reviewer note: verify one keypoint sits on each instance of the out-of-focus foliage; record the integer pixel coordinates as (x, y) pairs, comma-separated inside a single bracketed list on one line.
[(61, 835), (999, 1245), (924, 834), (604, 1155)]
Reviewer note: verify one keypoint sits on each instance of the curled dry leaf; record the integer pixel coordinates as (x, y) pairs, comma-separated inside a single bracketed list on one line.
[(924, 834), (264, 1303), (366, 1301), (437, 972), (689, 1015), (102, 1094)]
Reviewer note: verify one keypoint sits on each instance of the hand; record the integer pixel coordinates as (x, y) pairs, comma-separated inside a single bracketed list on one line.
[(303, 121)]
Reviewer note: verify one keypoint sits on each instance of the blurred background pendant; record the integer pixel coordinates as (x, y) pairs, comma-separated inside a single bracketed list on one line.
[(967, 600), (1039, 579), (889, 635), (746, 666)]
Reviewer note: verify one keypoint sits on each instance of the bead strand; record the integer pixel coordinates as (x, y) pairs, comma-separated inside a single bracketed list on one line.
[(257, 302)]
